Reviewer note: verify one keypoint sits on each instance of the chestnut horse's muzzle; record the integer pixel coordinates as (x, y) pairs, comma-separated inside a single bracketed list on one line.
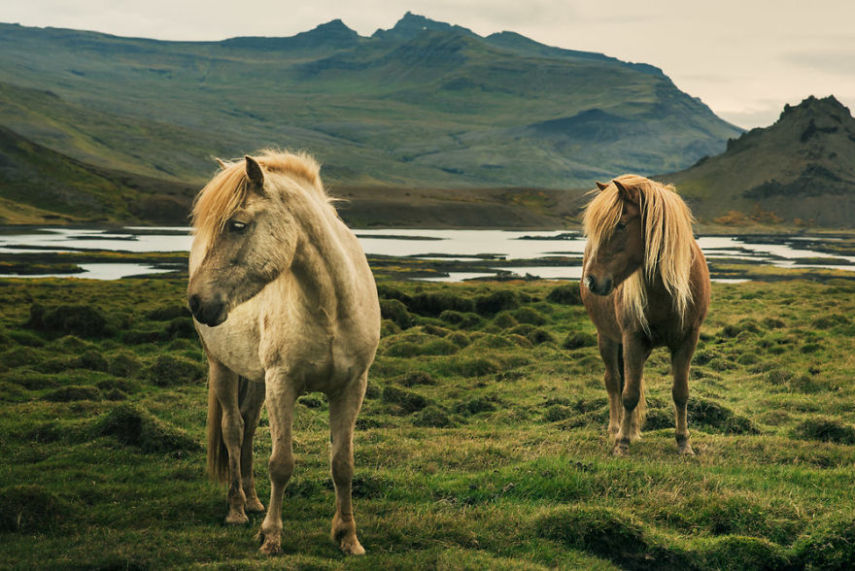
[(211, 312), (599, 287)]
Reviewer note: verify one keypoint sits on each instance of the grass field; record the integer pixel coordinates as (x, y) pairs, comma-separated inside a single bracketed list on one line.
[(481, 444)]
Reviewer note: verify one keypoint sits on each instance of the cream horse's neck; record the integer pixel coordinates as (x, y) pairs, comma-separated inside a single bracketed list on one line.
[(322, 268)]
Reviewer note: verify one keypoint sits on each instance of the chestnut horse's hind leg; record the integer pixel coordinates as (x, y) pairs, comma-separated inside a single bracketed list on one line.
[(681, 357), (251, 399), (610, 351), (344, 406), (224, 384), (281, 397)]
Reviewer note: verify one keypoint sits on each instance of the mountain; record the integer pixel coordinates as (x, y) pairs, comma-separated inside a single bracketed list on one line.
[(42, 186), (801, 168), (422, 104)]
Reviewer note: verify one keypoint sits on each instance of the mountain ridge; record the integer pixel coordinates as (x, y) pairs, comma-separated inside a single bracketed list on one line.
[(799, 169), (427, 104)]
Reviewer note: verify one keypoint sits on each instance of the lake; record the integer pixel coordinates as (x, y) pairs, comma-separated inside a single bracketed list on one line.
[(787, 251)]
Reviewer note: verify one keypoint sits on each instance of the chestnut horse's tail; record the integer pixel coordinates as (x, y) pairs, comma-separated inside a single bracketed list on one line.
[(639, 414), (218, 456)]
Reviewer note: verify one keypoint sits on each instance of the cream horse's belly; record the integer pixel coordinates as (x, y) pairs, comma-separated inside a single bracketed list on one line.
[(234, 343)]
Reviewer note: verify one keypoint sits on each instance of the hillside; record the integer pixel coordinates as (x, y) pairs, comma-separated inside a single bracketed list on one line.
[(423, 104), (42, 186), (800, 169)]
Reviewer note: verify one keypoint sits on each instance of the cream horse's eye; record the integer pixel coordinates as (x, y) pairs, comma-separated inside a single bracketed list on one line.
[(236, 226)]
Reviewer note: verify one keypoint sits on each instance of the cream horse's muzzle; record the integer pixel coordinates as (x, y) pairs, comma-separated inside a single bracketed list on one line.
[(209, 312)]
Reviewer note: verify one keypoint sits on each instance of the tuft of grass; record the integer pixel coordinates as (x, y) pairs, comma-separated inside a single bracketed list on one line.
[(169, 370), (825, 430), (30, 508), (74, 319), (568, 294), (135, 426)]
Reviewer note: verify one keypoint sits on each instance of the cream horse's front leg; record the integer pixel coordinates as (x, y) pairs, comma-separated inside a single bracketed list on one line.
[(280, 396), (344, 406)]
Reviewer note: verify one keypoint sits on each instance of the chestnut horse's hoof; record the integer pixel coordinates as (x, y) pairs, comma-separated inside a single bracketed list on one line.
[(254, 506), (685, 449), (621, 447)]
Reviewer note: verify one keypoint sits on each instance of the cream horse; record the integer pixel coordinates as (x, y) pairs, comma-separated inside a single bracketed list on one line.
[(285, 303)]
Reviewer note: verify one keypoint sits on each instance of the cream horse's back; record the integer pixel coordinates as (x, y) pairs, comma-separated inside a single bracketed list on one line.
[(285, 303)]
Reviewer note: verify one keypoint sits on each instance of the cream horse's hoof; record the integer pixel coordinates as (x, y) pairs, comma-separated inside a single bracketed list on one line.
[(271, 543), (236, 518), (344, 534)]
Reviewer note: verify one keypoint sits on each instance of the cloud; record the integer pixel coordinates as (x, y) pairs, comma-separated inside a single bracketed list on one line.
[(837, 62)]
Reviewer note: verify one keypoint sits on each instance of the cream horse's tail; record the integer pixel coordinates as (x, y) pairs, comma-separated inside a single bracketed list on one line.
[(218, 456)]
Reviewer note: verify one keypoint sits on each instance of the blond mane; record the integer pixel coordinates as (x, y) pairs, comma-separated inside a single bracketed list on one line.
[(668, 238), (227, 190)]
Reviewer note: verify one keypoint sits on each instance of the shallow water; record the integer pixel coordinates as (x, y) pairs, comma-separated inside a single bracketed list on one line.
[(419, 244)]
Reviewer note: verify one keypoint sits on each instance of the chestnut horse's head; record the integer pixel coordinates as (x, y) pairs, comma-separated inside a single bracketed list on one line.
[(639, 232), (248, 228), (614, 225)]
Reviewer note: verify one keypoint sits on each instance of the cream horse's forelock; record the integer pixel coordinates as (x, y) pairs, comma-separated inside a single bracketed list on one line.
[(668, 238), (227, 190)]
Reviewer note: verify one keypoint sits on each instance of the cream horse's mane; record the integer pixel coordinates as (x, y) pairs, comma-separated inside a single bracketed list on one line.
[(226, 191), (668, 239)]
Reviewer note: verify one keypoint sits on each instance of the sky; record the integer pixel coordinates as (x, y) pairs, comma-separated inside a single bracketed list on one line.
[(744, 58)]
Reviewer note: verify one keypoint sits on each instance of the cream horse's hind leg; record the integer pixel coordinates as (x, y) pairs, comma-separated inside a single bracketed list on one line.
[(344, 406), (251, 399), (224, 384)]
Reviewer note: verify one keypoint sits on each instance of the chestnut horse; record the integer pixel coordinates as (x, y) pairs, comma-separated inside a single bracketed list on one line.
[(285, 303), (645, 284)]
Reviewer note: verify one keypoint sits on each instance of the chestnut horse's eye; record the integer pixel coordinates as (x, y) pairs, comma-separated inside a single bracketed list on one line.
[(236, 226), (620, 226)]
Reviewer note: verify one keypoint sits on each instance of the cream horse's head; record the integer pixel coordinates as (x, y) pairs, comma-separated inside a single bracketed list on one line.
[(247, 237)]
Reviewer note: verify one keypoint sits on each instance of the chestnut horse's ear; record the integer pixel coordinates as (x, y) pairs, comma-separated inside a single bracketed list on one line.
[(254, 172), (221, 162), (629, 194), (602, 185)]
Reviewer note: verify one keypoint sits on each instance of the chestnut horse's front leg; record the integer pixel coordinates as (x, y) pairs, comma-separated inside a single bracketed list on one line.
[(635, 353), (610, 352)]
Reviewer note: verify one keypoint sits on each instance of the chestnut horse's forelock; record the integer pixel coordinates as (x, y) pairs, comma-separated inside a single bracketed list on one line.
[(667, 235)]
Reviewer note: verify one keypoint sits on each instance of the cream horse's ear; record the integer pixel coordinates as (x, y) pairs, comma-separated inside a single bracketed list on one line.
[(254, 172), (602, 185)]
